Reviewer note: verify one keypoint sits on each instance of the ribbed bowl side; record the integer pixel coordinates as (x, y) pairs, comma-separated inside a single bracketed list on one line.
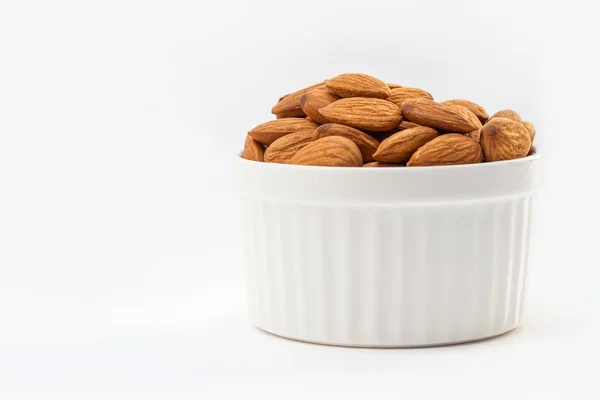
[(387, 274)]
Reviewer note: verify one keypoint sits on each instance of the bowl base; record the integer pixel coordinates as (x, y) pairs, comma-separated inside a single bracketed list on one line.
[(375, 346)]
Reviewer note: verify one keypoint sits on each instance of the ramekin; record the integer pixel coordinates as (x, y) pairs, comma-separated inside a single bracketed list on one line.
[(387, 257)]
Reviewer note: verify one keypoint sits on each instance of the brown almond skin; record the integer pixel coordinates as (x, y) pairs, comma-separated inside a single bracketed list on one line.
[(291, 114), (469, 114), (510, 114), (504, 139), (366, 143), (377, 164), (394, 86), (531, 129), (315, 99), (332, 151), (435, 115), (284, 148), (407, 125), (475, 108), (364, 113), (358, 85), (399, 147), (449, 149), (289, 105), (268, 132), (399, 95), (253, 150), (476, 134)]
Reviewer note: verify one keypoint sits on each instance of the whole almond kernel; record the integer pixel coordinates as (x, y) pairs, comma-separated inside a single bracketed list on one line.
[(268, 132), (284, 148), (364, 113), (399, 95), (531, 129), (475, 108), (449, 149), (366, 143), (377, 164), (510, 114), (313, 100), (289, 104), (504, 139), (333, 151), (253, 150), (400, 146), (435, 115), (358, 85)]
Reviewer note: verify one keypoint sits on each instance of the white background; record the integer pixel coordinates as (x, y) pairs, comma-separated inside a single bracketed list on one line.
[(120, 267)]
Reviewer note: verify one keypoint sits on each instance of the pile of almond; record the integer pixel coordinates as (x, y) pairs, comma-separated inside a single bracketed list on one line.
[(356, 120)]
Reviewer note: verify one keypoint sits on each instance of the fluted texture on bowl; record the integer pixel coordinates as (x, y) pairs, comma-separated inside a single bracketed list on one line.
[(387, 256), (387, 275)]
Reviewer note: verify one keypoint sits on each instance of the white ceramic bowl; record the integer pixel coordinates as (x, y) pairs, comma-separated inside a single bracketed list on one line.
[(387, 257)]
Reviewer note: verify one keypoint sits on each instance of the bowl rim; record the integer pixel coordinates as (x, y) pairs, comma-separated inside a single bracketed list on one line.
[(403, 170)]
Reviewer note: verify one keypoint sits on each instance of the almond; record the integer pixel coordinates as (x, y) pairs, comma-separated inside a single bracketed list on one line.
[(476, 134), (476, 109), (377, 164), (394, 86), (400, 94), (268, 132), (284, 148), (253, 150), (313, 100), (358, 85), (442, 117), (297, 113), (531, 129), (407, 125), (450, 149), (504, 139), (289, 105), (334, 151), (364, 113), (510, 114), (401, 146), (366, 144)]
